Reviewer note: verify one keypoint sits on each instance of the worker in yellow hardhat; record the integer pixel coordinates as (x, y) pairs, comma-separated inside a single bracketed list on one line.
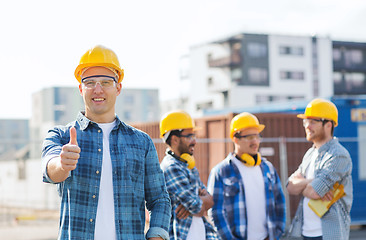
[(326, 164), (106, 170), (189, 197), (248, 199)]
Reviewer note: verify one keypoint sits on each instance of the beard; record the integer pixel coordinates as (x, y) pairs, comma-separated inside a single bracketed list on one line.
[(316, 137), (182, 148)]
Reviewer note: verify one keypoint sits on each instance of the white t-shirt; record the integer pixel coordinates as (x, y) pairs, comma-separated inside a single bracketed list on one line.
[(197, 229), (312, 226), (105, 227), (255, 200)]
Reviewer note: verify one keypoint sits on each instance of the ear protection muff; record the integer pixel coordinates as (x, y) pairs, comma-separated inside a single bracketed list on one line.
[(250, 160), (185, 157)]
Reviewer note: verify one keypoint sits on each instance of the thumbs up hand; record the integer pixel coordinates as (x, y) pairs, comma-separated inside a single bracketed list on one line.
[(70, 152)]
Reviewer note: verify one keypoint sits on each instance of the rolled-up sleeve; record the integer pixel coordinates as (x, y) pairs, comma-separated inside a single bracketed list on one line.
[(334, 169)]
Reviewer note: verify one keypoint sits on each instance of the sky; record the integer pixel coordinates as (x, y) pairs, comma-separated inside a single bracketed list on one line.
[(41, 41)]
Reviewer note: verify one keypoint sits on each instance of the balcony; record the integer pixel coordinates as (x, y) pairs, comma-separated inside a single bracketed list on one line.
[(233, 60)]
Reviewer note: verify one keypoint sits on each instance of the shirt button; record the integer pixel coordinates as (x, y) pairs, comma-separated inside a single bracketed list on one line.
[(99, 131), (97, 172), (93, 196), (91, 220), (99, 150)]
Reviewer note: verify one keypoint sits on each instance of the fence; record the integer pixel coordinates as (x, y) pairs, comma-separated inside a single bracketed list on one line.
[(21, 186)]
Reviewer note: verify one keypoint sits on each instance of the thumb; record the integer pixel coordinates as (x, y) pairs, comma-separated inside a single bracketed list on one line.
[(73, 139)]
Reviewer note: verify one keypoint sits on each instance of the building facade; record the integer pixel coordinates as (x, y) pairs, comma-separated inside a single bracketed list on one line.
[(247, 70), (14, 135)]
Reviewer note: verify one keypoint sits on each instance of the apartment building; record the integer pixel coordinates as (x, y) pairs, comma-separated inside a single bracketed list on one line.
[(349, 68), (247, 70)]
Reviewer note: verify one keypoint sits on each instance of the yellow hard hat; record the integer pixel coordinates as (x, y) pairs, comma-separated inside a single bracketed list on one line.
[(244, 120), (99, 56), (320, 108), (176, 120)]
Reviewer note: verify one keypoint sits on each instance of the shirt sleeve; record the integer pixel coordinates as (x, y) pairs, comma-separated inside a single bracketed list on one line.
[(334, 169), (156, 196), (179, 187), (51, 148), (217, 213)]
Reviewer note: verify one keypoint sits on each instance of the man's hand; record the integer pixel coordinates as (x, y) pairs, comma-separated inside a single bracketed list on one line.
[(202, 192), (181, 212), (58, 168), (328, 196), (70, 153), (207, 202), (297, 183)]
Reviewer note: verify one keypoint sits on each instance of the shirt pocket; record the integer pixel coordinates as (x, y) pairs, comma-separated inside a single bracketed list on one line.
[(231, 187)]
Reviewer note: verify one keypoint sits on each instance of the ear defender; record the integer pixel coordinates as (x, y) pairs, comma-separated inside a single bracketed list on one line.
[(250, 160), (185, 157), (189, 159)]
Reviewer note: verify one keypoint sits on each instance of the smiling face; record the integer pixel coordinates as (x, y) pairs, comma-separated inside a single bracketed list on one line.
[(100, 102), (317, 131)]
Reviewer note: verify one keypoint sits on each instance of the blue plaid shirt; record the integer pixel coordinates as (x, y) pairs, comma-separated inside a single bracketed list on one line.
[(229, 210), (183, 184), (137, 178)]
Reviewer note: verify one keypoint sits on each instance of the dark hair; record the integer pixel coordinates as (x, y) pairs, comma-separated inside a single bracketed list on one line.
[(173, 133), (332, 122), (237, 134)]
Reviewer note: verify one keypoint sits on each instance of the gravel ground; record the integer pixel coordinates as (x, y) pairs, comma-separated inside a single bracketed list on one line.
[(47, 230)]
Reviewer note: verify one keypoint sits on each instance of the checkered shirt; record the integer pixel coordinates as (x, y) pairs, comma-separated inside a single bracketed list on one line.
[(229, 210), (137, 178)]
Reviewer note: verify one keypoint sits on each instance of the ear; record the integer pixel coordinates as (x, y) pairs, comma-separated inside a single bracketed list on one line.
[(174, 140), (80, 90), (235, 140), (119, 88)]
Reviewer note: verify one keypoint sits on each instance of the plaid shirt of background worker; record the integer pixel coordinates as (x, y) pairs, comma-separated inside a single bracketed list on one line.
[(182, 185), (229, 210)]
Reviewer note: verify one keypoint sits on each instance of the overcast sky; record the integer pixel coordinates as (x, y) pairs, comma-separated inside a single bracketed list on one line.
[(43, 40)]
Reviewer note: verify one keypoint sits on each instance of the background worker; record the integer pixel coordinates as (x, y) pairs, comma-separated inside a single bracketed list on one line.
[(105, 169), (189, 197), (248, 199), (327, 162)]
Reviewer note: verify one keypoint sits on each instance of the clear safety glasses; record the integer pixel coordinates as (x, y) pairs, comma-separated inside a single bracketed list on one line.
[(104, 81)]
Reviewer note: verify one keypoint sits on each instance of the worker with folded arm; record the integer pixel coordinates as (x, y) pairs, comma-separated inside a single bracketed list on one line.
[(326, 165), (189, 197)]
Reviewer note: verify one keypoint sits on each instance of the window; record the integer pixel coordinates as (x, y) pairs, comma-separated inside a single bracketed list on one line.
[(354, 80), (291, 50), (353, 57), (205, 105), (274, 98), (210, 81), (257, 50), (337, 77), (236, 74), (258, 76), (337, 55), (292, 75)]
